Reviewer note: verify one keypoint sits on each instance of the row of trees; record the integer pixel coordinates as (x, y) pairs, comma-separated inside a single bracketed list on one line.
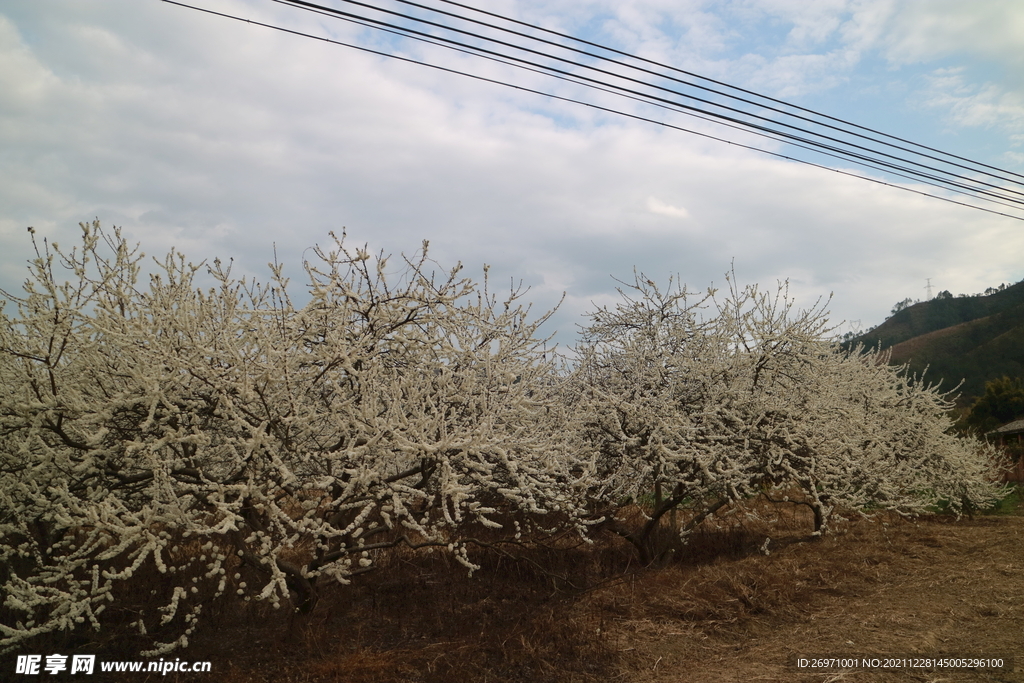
[(713, 400), (945, 294), (225, 443)]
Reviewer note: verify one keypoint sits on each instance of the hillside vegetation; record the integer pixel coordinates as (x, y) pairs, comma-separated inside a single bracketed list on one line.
[(963, 340)]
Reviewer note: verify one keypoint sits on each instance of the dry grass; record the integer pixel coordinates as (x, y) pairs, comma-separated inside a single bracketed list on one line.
[(720, 610)]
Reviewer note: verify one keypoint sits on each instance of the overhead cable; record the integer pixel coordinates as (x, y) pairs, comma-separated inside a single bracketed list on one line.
[(710, 80), (832, 146), (760, 125)]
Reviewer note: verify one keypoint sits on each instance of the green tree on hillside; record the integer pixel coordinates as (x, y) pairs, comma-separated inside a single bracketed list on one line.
[(1003, 402), (902, 305)]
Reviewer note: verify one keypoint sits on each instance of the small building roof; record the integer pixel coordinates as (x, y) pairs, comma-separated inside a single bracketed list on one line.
[(1015, 427)]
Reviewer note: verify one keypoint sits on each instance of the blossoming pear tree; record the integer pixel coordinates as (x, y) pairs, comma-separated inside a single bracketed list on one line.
[(225, 443), (165, 445), (692, 403)]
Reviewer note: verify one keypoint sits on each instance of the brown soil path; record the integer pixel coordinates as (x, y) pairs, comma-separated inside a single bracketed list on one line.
[(724, 613), (933, 587)]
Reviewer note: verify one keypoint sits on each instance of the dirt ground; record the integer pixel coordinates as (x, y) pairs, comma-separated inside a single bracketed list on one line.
[(721, 611), (929, 588)]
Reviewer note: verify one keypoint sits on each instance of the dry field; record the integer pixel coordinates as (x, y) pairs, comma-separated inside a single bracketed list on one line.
[(720, 611)]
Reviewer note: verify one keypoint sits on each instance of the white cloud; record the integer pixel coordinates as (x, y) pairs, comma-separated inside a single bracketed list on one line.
[(922, 31), (655, 205), (973, 104), (223, 139)]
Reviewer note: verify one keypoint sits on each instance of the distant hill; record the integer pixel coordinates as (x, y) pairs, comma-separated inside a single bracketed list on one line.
[(973, 339)]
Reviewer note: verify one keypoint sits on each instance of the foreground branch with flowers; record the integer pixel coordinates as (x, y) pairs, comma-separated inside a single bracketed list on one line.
[(224, 444)]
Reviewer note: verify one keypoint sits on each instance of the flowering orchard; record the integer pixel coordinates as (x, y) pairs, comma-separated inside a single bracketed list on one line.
[(699, 402), (241, 446), (223, 444)]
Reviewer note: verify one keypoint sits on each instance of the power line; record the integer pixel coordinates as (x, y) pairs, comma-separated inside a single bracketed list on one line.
[(305, 4), (708, 80), (784, 138), (858, 154), (780, 136)]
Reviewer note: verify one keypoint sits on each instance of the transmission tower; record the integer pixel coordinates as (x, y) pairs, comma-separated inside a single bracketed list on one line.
[(928, 287)]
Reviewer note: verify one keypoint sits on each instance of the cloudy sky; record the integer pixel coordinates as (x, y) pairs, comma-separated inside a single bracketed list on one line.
[(223, 138)]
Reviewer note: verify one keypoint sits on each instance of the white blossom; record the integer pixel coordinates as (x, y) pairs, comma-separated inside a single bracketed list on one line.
[(139, 421), (696, 403)]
